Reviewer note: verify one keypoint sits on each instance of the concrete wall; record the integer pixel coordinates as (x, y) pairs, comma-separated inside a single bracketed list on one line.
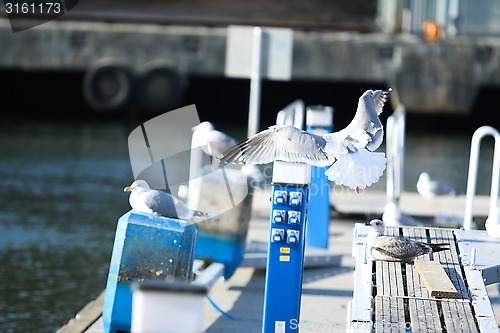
[(431, 77)]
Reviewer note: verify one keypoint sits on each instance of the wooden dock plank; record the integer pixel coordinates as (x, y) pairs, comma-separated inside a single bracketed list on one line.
[(415, 307), (451, 262), (433, 321), (435, 279), (379, 326), (458, 314), (450, 311), (396, 284), (86, 317), (380, 301), (400, 301), (469, 317), (388, 309), (390, 276)]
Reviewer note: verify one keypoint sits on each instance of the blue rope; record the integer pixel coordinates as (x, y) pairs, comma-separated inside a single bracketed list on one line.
[(219, 309)]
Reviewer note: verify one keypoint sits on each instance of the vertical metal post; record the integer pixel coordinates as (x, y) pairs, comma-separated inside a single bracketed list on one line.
[(452, 19), (285, 257), (255, 83), (319, 120), (395, 135)]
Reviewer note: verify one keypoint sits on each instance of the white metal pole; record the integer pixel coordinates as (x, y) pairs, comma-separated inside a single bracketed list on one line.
[(401, 150), (473, 165), (390, 191), (255, 83)]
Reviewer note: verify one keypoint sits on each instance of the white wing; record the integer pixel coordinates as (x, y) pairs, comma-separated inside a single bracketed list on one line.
[(365, 129), (279, 143)]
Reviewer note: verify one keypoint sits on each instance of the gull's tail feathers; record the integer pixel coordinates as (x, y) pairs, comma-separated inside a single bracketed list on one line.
[(380, 97), (436, 247), (357, 170)]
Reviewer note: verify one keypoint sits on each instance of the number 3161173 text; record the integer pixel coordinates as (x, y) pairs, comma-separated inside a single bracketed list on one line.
[(33, 8)]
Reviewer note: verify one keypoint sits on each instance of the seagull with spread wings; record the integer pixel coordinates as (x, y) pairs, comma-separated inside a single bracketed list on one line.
[(349, 151)]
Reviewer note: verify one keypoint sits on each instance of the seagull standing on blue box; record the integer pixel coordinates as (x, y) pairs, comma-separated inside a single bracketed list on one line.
[(348, 151), (146, 200)]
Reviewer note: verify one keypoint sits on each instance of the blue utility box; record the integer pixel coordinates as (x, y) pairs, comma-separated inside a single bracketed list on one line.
[(146, 247), (285, 257)]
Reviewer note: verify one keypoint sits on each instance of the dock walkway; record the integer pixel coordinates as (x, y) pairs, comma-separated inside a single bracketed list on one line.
[(325, 295), (392, 296)]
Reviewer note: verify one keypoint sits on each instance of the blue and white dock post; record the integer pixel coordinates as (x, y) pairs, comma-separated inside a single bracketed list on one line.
[(285, 256), (319, 120), (146, 247)]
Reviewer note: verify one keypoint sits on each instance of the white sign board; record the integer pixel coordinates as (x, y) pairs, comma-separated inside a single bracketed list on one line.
[(276, 52)]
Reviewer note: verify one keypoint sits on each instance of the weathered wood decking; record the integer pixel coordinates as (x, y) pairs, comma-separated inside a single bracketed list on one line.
[(401, 303), (403, 300), (85, 317)]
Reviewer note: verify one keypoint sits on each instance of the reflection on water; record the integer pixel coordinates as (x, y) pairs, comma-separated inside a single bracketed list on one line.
[(61, 196)]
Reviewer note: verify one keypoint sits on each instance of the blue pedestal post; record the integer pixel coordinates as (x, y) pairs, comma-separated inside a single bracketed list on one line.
[(222, 237), (146, 247), (285, 257), (224, 248), (319, 120)]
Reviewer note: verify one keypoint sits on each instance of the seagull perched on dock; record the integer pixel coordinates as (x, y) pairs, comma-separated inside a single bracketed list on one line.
[(394, 248), (430, 189), (146, 200), (212, 142), (350, 150)]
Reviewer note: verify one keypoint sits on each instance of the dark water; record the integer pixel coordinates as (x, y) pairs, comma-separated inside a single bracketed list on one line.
[(445, 156), (61, 194)]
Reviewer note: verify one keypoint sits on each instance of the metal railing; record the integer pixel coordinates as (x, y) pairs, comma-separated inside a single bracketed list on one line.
[(479, 134)]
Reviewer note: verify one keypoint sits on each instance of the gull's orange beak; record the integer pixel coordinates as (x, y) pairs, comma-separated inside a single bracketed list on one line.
[(127, 189), (357, 189)]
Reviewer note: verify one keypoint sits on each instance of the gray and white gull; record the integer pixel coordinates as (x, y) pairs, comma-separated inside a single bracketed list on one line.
[(396, 248), (146, 200), (212, 142), (429, 188), (349, 151)]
